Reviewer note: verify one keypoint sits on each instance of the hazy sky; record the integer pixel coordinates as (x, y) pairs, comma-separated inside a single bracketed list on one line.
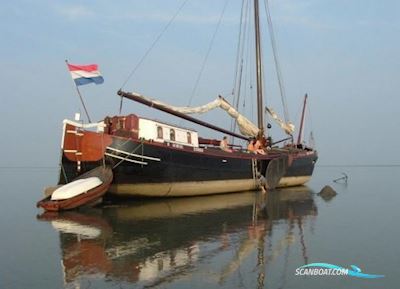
[(344, 54)]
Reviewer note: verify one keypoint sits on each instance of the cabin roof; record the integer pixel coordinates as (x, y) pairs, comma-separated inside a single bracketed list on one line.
[(169, 124)]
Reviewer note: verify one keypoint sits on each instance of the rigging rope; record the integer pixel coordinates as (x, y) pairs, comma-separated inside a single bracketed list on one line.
[(154, 42), (276, 60), (246, 67), (311, 141), (252, 67), (239, 46), (207, 54), (239, 61)]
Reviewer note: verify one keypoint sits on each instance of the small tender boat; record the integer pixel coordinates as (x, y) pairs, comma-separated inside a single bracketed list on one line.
[(85, 190)]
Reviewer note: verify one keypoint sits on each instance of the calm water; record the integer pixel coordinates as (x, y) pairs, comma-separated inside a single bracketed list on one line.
[(247, 240)]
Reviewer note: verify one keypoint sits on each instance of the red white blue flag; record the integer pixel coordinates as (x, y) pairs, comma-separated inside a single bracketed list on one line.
[(85, 74)]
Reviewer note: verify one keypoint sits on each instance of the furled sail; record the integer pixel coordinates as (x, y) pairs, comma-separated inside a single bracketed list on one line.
[(288, 127), (246, 127), (190, 110)]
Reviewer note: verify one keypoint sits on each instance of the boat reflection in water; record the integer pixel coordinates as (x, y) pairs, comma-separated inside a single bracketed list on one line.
[(202, 239)]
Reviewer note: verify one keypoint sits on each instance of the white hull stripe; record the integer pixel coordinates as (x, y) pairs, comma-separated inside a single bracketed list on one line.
[(75, 132), (133, 155), (125, 159)]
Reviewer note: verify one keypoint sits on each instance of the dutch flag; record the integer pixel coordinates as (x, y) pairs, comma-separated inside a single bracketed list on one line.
[(84, 74)]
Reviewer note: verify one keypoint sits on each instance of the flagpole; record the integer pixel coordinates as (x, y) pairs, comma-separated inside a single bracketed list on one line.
[(81, 98), (83, 103), (120, 105)]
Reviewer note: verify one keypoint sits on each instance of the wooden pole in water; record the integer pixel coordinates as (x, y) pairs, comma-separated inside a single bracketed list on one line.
[(302, 120)]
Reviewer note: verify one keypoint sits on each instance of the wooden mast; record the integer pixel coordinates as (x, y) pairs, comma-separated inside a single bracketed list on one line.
[(260, 107), (302, 120)]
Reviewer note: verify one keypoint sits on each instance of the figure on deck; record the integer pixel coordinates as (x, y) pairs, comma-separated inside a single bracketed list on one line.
[(255, 146), (224, 145)]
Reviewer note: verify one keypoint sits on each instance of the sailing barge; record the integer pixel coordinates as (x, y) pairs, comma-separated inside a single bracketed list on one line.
[(151, 158), (155, 159)]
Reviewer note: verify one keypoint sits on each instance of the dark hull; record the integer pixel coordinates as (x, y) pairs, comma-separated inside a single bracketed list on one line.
[(301, 169), (153, 169)]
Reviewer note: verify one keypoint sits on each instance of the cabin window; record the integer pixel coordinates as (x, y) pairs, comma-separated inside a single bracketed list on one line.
[(189, 137), (159, 132), (121, 123), (172, 134)]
